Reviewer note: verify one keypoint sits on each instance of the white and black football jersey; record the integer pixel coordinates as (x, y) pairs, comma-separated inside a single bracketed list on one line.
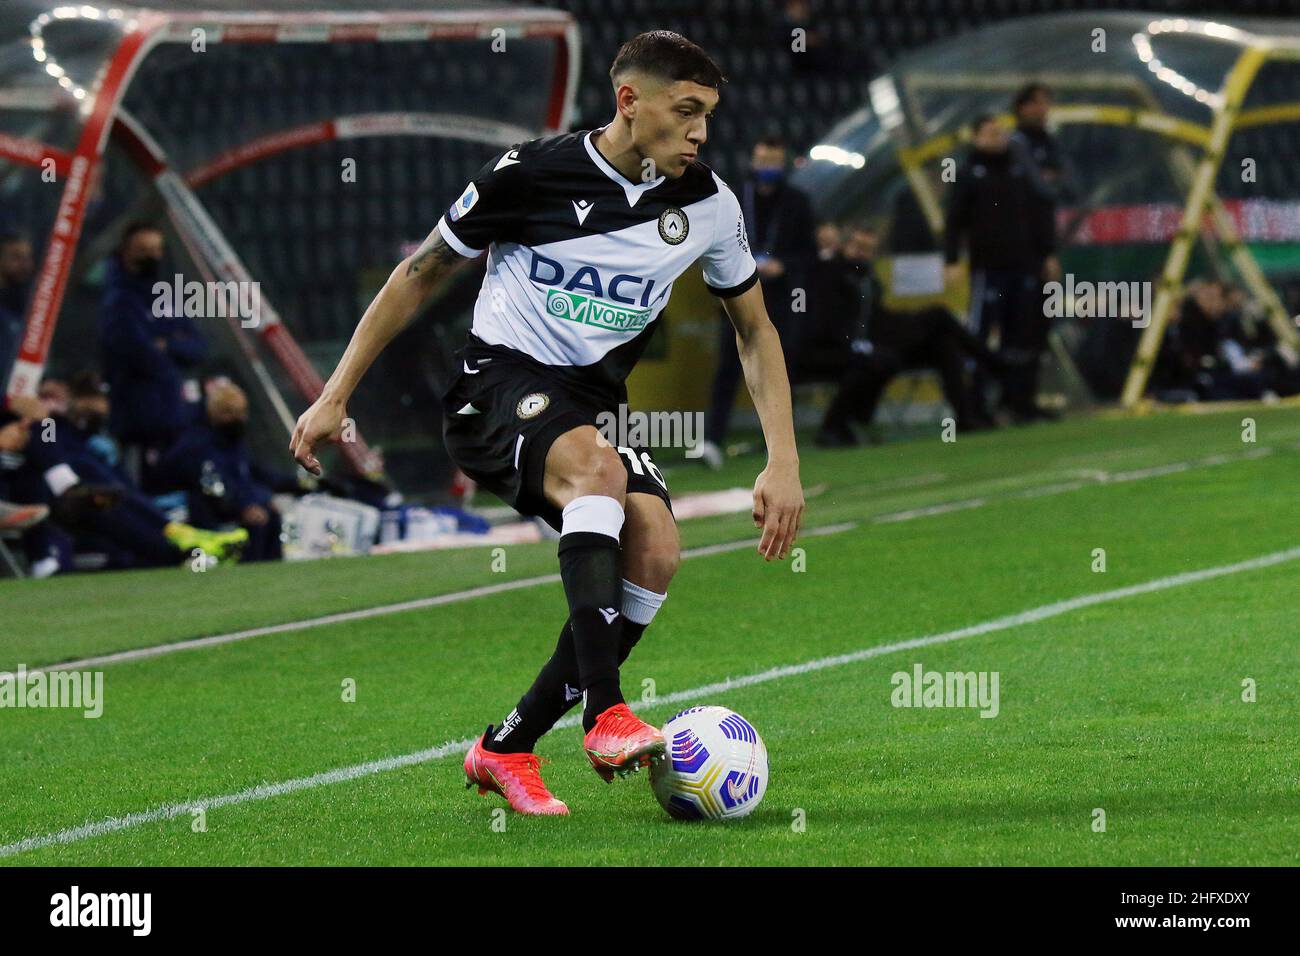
[(581, 260)]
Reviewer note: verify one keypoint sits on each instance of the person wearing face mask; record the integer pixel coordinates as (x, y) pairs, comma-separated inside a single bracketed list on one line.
[(147, 355), (224, 485), (73, 417), (46, 462), (87, 420), (779, 222)]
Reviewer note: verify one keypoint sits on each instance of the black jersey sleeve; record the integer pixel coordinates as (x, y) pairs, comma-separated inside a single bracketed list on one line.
[(491, 208)]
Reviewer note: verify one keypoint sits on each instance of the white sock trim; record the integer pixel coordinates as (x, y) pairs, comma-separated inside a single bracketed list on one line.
[(599, 513), (640, 604)]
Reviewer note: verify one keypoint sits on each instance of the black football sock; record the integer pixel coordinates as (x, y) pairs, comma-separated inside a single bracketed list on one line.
[(589, 567), (632, 632), (639, 607), (595, 645), (556, 689), (553, 693)]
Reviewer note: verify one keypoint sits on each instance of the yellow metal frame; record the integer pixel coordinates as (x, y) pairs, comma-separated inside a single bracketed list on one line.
[(1201, 198), (1227, 118)]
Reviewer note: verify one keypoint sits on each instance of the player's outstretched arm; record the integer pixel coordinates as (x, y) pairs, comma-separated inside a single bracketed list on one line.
[(778, 493), (392, 310)]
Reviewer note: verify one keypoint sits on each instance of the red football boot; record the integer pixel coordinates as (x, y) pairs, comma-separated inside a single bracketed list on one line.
[(516, 777), (621, 743)]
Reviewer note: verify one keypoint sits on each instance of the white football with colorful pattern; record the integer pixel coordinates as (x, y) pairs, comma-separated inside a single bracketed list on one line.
[(715, 767)]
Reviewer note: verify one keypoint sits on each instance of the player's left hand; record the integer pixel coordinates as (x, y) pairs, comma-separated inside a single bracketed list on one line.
[(778, 509)]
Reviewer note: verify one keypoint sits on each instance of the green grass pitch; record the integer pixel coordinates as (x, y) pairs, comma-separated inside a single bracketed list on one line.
[(1132, 706)]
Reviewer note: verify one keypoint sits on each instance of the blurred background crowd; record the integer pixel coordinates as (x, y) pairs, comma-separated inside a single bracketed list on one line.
[(151, 442), (138, 459)]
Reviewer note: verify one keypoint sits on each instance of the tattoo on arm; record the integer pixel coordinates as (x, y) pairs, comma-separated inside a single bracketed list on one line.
[(434, 255)]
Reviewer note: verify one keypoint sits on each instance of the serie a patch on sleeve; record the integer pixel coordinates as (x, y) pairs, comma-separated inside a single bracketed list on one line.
[(464, 204)]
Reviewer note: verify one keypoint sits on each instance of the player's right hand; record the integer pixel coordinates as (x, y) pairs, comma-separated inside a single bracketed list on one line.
[(319, 423), (778, 509)]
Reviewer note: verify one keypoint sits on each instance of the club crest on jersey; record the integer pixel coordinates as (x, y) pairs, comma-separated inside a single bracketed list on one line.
[(465, 203), (673, 225), (532, 405)]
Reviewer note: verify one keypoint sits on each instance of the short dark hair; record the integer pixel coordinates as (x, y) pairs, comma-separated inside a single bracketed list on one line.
[(9, 238), (980, 121), (134, 229), (669, 56), (87, 383), (1027, 92), (771, 141)]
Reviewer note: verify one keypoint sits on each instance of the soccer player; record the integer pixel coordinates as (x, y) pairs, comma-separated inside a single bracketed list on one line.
[(585, 234)]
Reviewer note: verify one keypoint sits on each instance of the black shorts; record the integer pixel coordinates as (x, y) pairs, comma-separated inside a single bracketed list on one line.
[(501, 414)]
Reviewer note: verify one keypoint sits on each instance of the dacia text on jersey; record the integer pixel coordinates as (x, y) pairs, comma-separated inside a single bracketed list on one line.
[(587, 298)]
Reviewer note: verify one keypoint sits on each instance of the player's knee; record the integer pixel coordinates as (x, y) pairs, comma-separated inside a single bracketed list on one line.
[(585, 470), (603, 474)]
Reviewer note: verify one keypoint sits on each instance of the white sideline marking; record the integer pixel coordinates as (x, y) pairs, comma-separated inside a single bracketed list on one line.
[(454, 747), (930, 510), (1101, 478), (418, 604), (1096, 478), (262, 792)]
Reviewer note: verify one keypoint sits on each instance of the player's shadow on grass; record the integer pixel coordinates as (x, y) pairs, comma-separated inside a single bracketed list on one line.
[(765, 818)]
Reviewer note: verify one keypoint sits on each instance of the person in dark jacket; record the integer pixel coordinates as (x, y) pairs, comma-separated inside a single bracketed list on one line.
[(993, 209), (1249, 345), (211, 463), (863, 345), (16, 269), (46, 461), (89, 410), (146, 356), (27, 517), (1055, 180), (779, 222), (1211, 353), (1055, 183)]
